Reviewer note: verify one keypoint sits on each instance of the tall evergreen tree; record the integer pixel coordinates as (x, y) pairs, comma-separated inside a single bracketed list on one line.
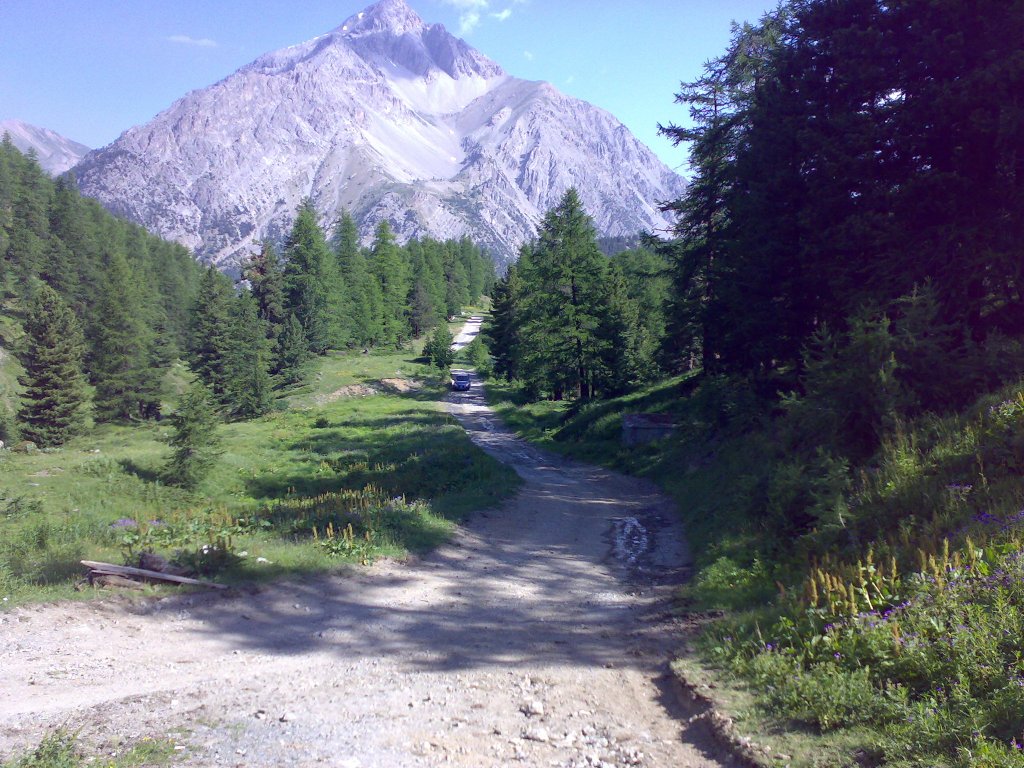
[(426, 296), (266, 280), (619, 338), (247, 386), (123, 348), (565, 295), (311, 282), (389, 266), (209, 344), (53, 381), (291, 352), (502, 333), (456, 282), (362, 305)]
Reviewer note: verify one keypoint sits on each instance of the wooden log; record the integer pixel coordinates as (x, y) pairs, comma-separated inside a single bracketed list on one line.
[(142, 573), (110, 580)]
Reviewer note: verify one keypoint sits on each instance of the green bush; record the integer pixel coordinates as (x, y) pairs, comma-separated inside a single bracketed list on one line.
[(59, 749), (725, 584)]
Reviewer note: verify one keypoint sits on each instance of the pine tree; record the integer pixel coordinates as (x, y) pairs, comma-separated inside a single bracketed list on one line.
[(617, 338), (564, 297), (123, 346), (209, 343), (362, 306), (195, 442), (266, 282), (27, 246), (292, 351), (312, 287), (247, 385), (53, 382), (392, 272), (456, 282), (427, 295), (502, 333), (439, 348)]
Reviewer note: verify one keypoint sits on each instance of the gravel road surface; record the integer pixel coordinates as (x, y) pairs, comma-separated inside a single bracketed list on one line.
[(538, 636)]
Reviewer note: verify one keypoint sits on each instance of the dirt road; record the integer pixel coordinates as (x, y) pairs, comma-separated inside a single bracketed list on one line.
[(537, 637)]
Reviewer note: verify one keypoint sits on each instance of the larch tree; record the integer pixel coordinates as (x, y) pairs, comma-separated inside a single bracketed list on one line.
[(388, 264), (312, 287), (565, 295)]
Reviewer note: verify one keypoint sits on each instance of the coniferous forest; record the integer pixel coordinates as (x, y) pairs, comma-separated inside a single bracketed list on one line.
[(97, 310)]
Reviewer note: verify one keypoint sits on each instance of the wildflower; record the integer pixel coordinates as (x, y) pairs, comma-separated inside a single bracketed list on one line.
[(124, 522)]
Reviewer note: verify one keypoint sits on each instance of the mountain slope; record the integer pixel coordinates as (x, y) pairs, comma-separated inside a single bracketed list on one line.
[(54, 152), (390, 118)]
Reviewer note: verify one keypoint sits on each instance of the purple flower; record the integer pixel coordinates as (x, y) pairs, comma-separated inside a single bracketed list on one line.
[(124, 522)]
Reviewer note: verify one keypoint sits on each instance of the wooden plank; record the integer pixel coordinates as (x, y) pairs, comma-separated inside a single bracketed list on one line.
[(127, 570)]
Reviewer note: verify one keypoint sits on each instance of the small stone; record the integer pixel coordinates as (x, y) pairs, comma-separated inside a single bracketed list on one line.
[(260, 714), (532, 708), (286, 717), (537, 734)]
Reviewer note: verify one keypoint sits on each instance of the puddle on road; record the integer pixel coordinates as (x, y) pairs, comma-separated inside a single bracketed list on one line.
[(630, 540)]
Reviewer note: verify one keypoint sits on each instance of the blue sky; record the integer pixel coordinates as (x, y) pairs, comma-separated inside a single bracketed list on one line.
[(90, 70)]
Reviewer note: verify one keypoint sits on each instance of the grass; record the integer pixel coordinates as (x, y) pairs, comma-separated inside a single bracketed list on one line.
[(62, 749), (393, 465)]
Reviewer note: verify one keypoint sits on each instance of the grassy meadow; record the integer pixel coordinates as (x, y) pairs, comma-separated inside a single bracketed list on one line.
[(358, 462)]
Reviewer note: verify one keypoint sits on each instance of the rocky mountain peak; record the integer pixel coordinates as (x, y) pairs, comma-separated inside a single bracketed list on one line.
[(391, 17), (390, 119), (390, 33)]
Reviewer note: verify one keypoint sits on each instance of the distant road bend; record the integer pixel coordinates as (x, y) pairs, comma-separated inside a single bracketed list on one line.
[(538, 636)]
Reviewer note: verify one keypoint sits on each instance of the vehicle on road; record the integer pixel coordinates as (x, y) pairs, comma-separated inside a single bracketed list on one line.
[(460, 381)]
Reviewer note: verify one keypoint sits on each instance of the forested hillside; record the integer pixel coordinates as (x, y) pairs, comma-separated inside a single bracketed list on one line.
[(128, 292), (97, 310), (844, 319)]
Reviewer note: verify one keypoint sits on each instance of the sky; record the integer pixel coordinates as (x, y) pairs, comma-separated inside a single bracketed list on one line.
[(90, 70)]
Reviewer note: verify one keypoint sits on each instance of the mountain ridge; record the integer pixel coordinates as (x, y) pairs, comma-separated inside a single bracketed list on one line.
[(55, 153), (390, 118)]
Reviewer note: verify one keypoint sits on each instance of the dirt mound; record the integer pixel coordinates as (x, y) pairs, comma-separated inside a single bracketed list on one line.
[(401, 385), (352, 390)]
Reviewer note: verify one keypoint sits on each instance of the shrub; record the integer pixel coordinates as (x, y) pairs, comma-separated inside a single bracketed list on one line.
[(195, 441)]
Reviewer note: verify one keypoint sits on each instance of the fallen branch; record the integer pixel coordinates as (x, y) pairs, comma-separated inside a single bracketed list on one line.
[(109, 569)]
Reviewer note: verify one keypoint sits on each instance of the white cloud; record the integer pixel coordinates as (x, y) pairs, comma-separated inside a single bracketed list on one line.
[(528, 55), (570, 79), (471, 12), (199, 42), (468, 21)]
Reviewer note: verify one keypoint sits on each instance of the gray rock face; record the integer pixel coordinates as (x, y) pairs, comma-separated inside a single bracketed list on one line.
[(389, 118), (55, 153)]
